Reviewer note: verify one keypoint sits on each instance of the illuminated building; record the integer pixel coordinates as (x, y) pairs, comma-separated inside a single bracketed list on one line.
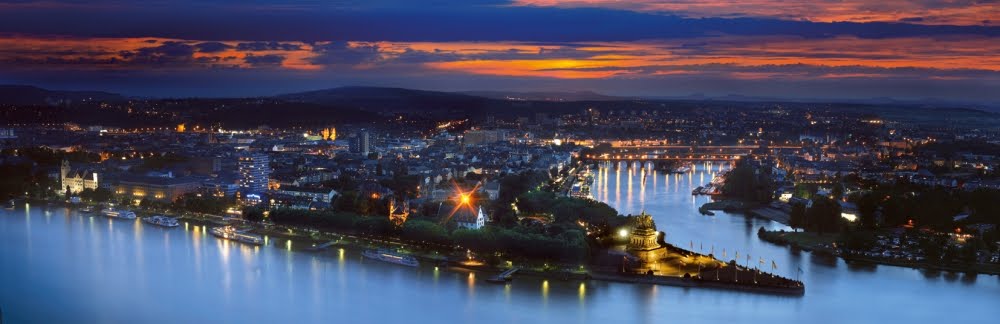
[(314, 194), (398, 213), (74, 181), (361, 143), (163, 189), (329, 134), (7, 133), (254, 171), (464, 211)]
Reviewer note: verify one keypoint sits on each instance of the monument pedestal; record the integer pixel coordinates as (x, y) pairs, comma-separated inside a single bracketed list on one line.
[(643, 243)]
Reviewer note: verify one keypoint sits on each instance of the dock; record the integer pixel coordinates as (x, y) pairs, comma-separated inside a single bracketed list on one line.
[(505, 276), (322, 246)]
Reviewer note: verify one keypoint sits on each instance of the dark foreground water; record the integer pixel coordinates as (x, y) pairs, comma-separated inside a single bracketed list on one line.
[(57, 266)]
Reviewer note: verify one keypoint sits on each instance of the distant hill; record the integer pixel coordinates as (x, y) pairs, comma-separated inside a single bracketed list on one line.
[(545, 96), (30, 95), (921, 103), (389, 99)]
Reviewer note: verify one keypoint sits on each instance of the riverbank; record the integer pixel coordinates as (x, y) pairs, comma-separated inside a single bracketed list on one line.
[(727, 205), (749, 209), (801, 240), (316, 241), (713, 282), (826, 244), (771, 213), (987, 269)]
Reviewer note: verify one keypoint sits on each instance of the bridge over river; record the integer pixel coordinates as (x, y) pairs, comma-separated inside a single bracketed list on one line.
[(682, 152)]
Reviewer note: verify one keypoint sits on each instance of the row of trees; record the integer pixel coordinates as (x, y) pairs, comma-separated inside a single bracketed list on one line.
[(566, 210), (822, 217), (749, 183), (17, 180), (206, 204), (511, 188), (330, 220), (49, 157), (568, 245)]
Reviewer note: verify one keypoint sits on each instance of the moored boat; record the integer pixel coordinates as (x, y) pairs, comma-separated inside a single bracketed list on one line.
[(9, 204), (160, 220), (391, 257), (87, 210), (116, 213), (231, 233)]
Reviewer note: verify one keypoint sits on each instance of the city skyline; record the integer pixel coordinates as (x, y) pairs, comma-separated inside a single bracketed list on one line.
[(842, 50), (499, 161)]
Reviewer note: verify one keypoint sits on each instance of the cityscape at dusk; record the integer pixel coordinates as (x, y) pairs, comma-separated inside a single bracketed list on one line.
[(499, 161)]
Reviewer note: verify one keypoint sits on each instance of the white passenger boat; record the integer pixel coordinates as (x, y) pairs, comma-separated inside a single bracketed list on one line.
[(391, 257), (116, 213), (160, 220), (231, 233)]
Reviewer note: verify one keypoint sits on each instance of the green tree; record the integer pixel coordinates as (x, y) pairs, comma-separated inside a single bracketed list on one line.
[(797, 219), (253, 214), (425, 231), (824, 215), (867, 209), (837, 192)]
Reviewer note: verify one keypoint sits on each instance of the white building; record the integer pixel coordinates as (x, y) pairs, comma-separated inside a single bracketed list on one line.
[(74, 181), (465, 215)]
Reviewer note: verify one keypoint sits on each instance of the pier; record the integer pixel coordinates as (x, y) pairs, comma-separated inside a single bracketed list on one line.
[(505, 276), (323, 246)]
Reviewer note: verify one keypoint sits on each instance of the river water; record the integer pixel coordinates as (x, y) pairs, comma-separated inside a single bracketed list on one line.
[(58, 266)]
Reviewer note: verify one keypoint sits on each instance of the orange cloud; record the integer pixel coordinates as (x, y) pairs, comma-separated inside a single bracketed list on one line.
[(938, 58), (675, 57), (948, 12), (112, 53)]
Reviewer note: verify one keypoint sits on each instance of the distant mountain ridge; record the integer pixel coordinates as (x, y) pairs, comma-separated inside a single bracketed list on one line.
[(385, 99), (922, 103), (389, 99), (31, 95), (545, 96)]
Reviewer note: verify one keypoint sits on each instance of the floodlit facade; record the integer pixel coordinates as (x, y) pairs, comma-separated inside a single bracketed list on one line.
[(254, 172)]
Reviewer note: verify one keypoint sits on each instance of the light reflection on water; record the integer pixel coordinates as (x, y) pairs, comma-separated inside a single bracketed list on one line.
[(132, 272), (829, 280)]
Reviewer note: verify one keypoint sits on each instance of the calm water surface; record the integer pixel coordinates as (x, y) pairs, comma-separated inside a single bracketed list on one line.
[(59, 266)]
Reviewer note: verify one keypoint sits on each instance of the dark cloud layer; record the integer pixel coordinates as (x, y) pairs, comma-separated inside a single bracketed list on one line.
[(264, 60), (260, 47), (419, 23), (212, 47)]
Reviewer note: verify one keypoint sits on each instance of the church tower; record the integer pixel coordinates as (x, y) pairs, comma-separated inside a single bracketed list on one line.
[(64, 170)]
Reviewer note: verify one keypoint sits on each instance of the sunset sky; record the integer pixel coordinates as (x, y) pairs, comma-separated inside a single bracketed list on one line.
[(906, 49)]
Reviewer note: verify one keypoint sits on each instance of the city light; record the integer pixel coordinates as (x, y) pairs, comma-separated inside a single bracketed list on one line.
[(507, 153)]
